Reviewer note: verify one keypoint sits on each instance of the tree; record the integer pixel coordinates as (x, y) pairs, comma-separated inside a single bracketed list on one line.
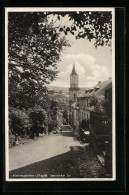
[(19, 121), (102, 105), (35, 46), (54, 108), (52, 124), (95, 25), (39, 119), (86, 24), (33, 57), (60, 92), (97, 102)]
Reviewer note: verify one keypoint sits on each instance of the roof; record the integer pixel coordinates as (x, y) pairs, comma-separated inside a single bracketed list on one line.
[(98, 89), (73, 70), (108, 87)]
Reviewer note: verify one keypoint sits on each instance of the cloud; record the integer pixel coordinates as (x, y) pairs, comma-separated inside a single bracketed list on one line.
[(89, 72), (92, 64)]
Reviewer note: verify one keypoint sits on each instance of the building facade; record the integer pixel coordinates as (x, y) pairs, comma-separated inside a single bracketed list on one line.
[(91, 117), (81, 106)]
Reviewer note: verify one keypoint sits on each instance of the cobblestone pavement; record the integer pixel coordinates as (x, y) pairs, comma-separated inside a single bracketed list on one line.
[(57, 156)]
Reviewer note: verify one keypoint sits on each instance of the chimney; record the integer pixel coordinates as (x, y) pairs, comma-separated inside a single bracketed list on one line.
[(99, 82)]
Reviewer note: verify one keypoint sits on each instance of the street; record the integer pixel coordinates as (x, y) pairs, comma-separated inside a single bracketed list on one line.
[(56, 155)]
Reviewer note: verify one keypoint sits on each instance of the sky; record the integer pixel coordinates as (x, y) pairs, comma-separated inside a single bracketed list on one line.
[(92, 64)]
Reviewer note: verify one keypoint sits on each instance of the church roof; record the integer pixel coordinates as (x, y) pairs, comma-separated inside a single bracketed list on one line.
[(73, 70)]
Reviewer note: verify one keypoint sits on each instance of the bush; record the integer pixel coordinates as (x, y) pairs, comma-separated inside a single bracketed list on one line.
[(39, 119), (19, 121), (52, 124)]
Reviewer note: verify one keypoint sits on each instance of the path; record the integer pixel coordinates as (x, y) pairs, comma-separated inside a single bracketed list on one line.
[(41, 149), (56, 155)]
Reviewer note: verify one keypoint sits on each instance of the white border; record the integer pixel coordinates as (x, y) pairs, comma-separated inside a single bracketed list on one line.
[(37, 9)]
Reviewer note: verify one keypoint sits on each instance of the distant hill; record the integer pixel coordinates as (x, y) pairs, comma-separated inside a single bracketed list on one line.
[(64, 89)]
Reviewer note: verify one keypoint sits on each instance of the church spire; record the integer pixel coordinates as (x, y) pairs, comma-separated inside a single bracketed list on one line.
[(73, 70), (73, 90)]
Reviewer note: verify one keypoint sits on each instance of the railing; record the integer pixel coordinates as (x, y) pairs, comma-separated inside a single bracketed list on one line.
[(100, 124)]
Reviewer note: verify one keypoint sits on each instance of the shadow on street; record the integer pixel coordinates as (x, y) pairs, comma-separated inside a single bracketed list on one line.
[(63, 164), (79, 162)]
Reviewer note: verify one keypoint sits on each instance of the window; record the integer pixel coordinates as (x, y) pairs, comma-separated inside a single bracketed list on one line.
[(74, 96), (87, 116)]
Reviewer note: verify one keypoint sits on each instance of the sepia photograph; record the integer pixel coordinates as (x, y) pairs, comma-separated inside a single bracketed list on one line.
[(60, 94)]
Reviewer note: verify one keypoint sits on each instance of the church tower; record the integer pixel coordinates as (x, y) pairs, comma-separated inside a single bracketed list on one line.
[(73, 90)]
